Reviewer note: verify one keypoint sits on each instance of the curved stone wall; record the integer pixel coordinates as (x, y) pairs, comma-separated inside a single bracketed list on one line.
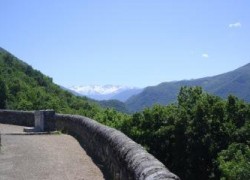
[(123, 158)]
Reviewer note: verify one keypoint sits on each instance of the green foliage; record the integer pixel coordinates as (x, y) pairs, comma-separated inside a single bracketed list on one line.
[(111, 118), (23, 88), (115, 104), (234, 162), (189, 135), (3, 94)]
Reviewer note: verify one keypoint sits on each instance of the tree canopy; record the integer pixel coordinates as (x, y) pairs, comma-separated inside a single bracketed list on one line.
[(194, 136)]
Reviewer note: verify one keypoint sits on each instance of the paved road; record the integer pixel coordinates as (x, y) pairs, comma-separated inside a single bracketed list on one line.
[(43, 157)]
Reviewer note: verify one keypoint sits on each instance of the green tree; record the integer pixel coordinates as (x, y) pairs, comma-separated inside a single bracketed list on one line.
[(188, 136), (234, 162), (3, 94)]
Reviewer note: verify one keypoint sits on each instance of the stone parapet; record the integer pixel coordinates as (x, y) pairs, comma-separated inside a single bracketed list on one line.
[(22, 118), (122, 157)]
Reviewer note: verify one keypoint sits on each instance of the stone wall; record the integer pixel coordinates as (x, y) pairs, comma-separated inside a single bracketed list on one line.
[(122, 158), (21, 118)]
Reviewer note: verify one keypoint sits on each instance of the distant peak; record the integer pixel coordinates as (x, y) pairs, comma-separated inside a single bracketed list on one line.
[(99, 89)]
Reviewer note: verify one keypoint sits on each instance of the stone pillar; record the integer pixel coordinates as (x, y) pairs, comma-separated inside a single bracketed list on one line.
[(49, 120), (44, 121), (39, 120)]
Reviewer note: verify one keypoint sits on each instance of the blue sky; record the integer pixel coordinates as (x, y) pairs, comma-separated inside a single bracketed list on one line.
[(127, 42)]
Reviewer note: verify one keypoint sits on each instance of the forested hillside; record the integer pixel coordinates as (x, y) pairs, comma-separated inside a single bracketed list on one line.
[(236, 82), (24, 88)]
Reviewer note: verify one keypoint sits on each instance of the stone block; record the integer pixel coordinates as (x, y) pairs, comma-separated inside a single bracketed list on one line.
[(39, 120)]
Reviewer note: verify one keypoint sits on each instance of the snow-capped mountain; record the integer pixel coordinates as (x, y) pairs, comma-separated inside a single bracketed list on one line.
[(106, 92)]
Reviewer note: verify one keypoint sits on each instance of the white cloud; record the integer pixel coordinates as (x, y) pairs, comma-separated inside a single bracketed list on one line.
[(205, 55), (235, 25)]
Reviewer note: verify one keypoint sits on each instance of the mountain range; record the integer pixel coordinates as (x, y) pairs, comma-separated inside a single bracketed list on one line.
[(106, 92), (127, 99), (236, 82), (27, 88)]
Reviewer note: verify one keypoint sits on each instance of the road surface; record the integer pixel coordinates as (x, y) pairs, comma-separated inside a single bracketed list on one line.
[(43, 157)]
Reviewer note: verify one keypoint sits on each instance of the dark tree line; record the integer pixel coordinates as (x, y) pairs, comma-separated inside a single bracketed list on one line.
[(200, 137)]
